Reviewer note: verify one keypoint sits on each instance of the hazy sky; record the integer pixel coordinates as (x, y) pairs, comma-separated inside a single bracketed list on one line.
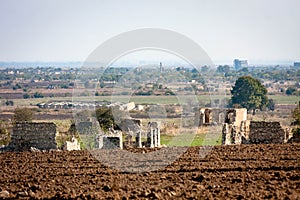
[(69, 30)]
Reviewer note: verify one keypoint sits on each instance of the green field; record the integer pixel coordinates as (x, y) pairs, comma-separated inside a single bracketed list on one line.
[(282, 99), (191, 140)]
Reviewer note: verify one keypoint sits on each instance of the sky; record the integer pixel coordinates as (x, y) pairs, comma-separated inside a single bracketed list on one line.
[(260, 31)]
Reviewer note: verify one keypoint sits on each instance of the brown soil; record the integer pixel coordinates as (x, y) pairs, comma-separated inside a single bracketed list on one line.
[(231, 172)]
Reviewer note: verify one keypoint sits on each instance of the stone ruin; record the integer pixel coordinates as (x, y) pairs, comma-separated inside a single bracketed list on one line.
[(110, 141), (210, 116), (42, 136), (71, 145), (28, 135), (132, 129), (238, 130), (217, 116), (88, 127), (37, 136), (265, 132), (153, 136)]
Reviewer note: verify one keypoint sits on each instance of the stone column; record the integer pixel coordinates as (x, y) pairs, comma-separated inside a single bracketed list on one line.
[(158, 137), (151, 137), (120, 140), (100, 141), (154, 137), (138, 140)]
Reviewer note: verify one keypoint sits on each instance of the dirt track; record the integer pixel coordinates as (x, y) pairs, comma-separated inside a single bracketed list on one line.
[(234, 172)]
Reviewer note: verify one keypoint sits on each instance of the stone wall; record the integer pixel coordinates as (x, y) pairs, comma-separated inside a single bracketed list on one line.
[(88, 127), (253, 132), (110, 141), (235, 116), (39, 135), (214, 116), (266, 133)]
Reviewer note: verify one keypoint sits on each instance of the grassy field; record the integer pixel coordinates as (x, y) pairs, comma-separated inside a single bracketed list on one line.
[(191, 140), (282, 99)]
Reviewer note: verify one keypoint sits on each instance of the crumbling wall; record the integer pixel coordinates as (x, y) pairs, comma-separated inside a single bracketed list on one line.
[(253, 132), (235, 116), (230, 134), (294, 138), (110, 141), (213, 116), (72, 145), (40, 135), (130, 125), (266, 133), (235, 126), (226, 133), (88, 127)]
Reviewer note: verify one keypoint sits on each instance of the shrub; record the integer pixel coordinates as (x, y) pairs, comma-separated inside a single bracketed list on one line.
[(23, 114)]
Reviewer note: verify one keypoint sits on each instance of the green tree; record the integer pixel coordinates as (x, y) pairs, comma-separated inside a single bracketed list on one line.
[(9, 103), (105, 118), (291, 91), (271, 104), (23, 114), (26, 96), (249, 93), (223, 68), (38, 95)]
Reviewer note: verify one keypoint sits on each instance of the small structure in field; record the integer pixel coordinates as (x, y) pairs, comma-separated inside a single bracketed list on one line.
[(39, 135), (238, 130), (131, 128), (153, 136), (71, 145), (213, 116), (110, 141)]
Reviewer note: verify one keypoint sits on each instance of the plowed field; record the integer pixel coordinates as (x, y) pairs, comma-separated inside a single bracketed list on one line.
[(232, 172)]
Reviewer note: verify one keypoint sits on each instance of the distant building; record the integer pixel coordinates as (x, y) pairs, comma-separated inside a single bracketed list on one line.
[(239, 64), (296, 64)]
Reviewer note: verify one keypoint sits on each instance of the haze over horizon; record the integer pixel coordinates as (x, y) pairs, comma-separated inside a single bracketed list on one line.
[(263, 32)]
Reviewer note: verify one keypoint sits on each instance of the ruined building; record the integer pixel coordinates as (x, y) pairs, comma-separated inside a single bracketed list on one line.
[(153, 136), (131, 128), (215, 116), (40, 135), (110, 141), (238, 130), (72, 145)]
